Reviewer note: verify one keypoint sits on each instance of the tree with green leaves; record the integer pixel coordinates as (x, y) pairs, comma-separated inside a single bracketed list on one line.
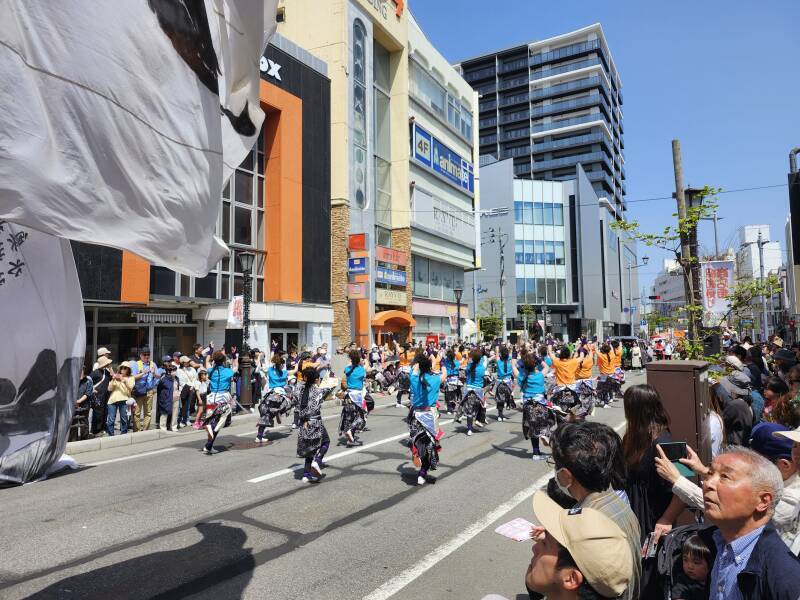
[(670, 239), (491, 321)]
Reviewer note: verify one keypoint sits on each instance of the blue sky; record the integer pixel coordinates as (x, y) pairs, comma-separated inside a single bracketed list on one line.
[(727, 86)]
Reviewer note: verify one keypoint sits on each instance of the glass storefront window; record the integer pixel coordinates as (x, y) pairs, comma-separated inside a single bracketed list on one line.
[(521, 291), (421, 277)]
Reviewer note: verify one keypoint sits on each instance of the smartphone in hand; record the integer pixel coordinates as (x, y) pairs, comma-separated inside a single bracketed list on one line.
[(675, 451)]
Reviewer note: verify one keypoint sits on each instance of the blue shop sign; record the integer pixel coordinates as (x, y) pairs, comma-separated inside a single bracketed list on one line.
[(356, 266), (390, 276), (433, 154)]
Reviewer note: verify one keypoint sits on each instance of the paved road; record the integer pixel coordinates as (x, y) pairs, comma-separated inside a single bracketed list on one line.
[(162, 520)]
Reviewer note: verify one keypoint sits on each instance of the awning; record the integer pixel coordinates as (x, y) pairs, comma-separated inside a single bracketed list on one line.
[(393, 317)]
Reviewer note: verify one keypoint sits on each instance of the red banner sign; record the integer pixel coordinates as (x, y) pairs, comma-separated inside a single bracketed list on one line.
[(391, 256), (357, 241)]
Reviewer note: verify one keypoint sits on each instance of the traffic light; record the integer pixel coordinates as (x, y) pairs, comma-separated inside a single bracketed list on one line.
[(654, 297)]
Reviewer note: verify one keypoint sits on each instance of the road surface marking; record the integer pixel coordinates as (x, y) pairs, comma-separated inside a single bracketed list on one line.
[(395, 584), (132, 456), (297, 467)]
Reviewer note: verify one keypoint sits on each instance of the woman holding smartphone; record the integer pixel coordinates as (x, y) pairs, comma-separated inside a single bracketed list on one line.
[(652, 501)]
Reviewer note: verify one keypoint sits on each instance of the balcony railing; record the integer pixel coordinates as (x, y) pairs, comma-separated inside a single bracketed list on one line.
[(567, 122), (569, 87), (568, 161), (515, 134), (490, 122), (522, 169), (515, 99), (520, 115), (488, 139), (512, 83), (479, 74), (542, 73), (514, 65), (557, 107), (514, 152), (565, 52), (578, 140), (601, 176), (487, 106)]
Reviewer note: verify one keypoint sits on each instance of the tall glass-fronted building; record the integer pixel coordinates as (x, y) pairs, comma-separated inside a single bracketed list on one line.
[(552, 104)]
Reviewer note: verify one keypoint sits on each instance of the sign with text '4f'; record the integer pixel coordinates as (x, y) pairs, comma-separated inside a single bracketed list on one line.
[(433, 154)]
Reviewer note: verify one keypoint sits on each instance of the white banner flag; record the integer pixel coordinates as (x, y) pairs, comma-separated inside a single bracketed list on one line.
[(236, 313), (716, 279), (120, 120), (42, 350)]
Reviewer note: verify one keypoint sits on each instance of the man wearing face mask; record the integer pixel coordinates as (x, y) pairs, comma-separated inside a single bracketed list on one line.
[(585, 457)]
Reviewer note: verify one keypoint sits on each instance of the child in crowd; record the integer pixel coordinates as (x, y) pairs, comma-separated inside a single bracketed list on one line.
[(691, 583)]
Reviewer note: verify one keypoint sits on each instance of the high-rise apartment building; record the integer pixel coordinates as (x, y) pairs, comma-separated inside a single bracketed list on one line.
[(550, 105)]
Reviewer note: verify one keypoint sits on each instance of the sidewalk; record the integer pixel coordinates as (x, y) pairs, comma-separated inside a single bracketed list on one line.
[(105, 442)]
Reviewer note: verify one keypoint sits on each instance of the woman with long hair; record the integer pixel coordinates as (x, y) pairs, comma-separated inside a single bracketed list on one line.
[(218, 399), (504, 385), (651, 498), (354, 404), (312, 439), (606, 387), (453, 385), (584, 382), (472, 404), (716, 423), (538, 421), (784, 406), (423, 418), (275, 400), (775, 390), (403, 386)]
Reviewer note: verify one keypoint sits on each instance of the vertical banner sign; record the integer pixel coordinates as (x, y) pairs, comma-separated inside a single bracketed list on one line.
[(356, 266), (236, 313), (717, 282)]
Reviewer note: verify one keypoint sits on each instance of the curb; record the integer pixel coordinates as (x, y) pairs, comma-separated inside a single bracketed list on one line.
[(139, 437)]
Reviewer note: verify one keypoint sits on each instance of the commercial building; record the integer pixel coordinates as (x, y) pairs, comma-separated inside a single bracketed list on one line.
[(747, 258), (748, 266), (394, 212), (567, 260), (276, 205), (670, 289), (552, 104)]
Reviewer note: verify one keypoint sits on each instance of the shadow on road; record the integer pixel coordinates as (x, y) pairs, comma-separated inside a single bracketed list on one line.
[(219, 559)]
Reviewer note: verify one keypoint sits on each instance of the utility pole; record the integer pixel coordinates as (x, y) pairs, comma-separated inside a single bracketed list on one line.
[(765, 325), (686, 255)]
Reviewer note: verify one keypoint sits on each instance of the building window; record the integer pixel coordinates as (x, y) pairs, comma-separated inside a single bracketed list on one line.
[(421, 286), (427, 90)]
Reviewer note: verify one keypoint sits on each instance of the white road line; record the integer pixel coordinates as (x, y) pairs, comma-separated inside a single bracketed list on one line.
[(132, 456), (395, 584), (333, 457)]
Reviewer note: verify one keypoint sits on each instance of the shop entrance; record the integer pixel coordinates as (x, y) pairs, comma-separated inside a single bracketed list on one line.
[(125, 341), (285, 339)]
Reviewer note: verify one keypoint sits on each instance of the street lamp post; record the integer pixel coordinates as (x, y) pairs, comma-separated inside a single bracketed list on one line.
[(458, 291), (246, 260)]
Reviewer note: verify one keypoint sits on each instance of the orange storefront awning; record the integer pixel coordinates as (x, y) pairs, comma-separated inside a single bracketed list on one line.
[(393, 317)]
